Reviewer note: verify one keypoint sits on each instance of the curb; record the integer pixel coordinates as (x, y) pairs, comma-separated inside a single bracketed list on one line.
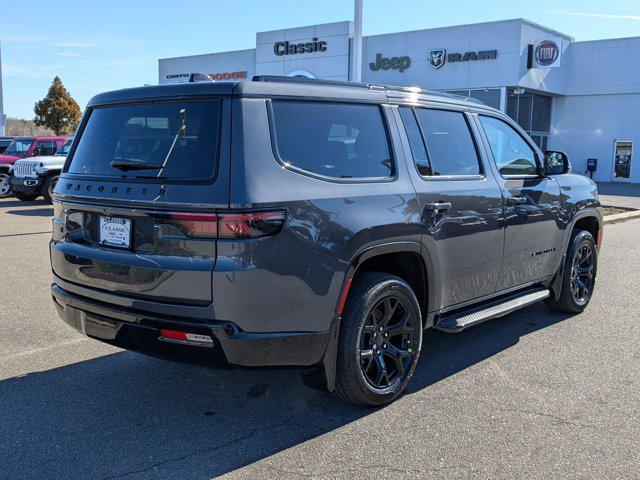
[(621, 217)]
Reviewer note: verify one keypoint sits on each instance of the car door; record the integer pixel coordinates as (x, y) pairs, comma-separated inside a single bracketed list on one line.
[(460, 201), (531, 201)]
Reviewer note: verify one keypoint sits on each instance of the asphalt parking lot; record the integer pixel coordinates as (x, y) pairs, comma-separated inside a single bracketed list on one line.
[(532, 395)]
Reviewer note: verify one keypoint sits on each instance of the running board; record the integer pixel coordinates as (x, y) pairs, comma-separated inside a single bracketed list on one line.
[(458, 322)]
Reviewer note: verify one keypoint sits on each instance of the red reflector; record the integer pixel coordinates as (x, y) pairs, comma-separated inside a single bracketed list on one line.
[(186, 337), (343, 297)]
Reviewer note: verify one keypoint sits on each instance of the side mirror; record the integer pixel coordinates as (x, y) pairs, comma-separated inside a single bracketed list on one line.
[(556, 163)]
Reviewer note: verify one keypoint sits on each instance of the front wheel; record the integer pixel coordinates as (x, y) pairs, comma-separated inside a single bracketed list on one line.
[(48, 186), (380, 340), (5, 186), (579, 275)]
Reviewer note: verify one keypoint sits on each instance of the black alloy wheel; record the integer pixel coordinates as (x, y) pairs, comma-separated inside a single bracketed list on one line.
[(379, 341), (582, 274), (386, 343), (578, 275)]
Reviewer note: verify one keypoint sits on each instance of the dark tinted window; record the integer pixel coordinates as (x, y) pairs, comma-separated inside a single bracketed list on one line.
[(45, 147), (541, 117), (449, 142), (178, 138), (332, 139), (512, 154), (415, 140), (19, 147)]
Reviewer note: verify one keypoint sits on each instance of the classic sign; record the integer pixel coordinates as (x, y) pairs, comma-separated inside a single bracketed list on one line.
[(286, 48), (393, 63)]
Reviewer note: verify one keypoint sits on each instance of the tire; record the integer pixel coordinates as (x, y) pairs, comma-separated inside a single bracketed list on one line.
[(48, 186), (26, 197), (5, 186), (578, 276), (362, 347)]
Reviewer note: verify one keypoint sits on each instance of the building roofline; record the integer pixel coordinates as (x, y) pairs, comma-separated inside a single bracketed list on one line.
[(209, 53)]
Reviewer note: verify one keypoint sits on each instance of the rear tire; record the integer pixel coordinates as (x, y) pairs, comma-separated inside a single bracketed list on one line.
[(26, 197), (578, 276), (48, 186), (379, 342)]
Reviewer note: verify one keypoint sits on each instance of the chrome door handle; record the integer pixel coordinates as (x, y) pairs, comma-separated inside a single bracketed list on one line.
[(517, 200), (437, 207)]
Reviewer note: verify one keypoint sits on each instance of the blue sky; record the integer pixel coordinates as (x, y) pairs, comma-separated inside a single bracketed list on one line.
[(104, 45)]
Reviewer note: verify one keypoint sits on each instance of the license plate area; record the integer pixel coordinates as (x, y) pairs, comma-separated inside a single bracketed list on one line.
[(115, 232)]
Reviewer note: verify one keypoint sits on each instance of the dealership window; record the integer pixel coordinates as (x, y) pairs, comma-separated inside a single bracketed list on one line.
[(532, 112), (488, 96), (336, 140)]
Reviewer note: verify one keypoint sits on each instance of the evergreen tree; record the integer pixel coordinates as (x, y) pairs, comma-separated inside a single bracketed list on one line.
[(58, 110)]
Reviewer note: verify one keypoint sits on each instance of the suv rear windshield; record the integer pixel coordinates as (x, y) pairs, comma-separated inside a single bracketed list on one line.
[(176, 140)]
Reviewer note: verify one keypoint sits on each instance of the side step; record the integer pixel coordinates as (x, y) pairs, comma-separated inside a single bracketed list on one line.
[(460, 321)]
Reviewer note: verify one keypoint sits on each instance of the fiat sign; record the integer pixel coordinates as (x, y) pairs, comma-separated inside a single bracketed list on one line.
[(547, 54)]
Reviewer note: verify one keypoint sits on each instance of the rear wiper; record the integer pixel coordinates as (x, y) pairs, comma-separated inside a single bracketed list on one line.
[(125, 165)]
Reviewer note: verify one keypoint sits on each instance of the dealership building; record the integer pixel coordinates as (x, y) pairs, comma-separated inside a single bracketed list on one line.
[(579, 97)]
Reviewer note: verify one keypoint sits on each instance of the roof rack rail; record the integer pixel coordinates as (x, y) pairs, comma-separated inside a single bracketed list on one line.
[(370, 86), (311, 81)]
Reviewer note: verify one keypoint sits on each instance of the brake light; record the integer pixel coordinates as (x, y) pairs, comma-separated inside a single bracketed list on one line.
[(228, 225)]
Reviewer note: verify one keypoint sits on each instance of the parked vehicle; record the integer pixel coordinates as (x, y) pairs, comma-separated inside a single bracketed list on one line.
[(35, 176), (23, 147), (5, 142), (311, 223)]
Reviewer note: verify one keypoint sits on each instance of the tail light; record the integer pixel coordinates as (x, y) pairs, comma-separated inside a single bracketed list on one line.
[(228, 225)]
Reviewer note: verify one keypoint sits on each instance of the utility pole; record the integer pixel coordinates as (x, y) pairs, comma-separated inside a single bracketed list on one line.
[(2, 115), (356, 43)]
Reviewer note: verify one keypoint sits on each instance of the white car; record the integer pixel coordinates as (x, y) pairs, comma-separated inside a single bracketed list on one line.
[(35, 176)]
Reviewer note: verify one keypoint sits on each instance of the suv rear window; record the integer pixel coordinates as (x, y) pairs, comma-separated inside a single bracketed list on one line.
[(175, 140), (333, 140)]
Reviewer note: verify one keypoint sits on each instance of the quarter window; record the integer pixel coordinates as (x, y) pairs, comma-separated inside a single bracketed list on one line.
[(449, 143), (511, 152), (418, 149), (334, 140)]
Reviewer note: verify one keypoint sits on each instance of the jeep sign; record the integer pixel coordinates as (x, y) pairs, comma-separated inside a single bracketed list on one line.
[(393, 63)]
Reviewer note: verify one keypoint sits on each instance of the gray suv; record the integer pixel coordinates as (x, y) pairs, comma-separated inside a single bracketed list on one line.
[(321, 224)]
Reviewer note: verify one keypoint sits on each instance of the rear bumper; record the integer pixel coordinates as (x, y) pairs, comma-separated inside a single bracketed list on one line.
[(140, 331), (26, 185)]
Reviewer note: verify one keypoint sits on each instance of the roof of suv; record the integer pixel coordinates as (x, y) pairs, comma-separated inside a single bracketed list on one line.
[(282, 87)]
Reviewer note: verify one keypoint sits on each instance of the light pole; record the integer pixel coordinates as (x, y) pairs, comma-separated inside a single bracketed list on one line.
[(356, 43), (2, 117)]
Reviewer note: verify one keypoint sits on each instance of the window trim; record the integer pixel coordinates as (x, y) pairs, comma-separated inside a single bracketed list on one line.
[(287, 166), (531, 144), (170, 181), (479, 176)]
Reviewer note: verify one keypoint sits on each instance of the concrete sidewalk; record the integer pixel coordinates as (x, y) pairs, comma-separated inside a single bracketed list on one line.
[(625, 195)]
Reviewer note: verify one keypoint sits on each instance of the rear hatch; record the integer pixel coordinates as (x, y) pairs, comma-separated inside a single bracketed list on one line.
[(135, 209)]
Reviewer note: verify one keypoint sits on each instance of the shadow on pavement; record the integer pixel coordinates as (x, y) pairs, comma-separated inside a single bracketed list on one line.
[(34, 212), (127, 414), (20, 203)]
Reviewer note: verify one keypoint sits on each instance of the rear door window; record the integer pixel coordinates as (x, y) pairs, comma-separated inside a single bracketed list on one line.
[(335, 140), (176, 140), (450, 146)]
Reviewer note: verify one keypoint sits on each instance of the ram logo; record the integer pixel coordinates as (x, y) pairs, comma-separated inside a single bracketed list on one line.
[(437, 57)]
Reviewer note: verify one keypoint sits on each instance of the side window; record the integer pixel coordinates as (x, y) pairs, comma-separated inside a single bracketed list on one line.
[(332, 139), (45, 147), (512, 154), (449, 143), (418, 149)]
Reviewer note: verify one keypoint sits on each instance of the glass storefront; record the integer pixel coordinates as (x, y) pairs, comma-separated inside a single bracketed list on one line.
[(488, 96), (532, 112)]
